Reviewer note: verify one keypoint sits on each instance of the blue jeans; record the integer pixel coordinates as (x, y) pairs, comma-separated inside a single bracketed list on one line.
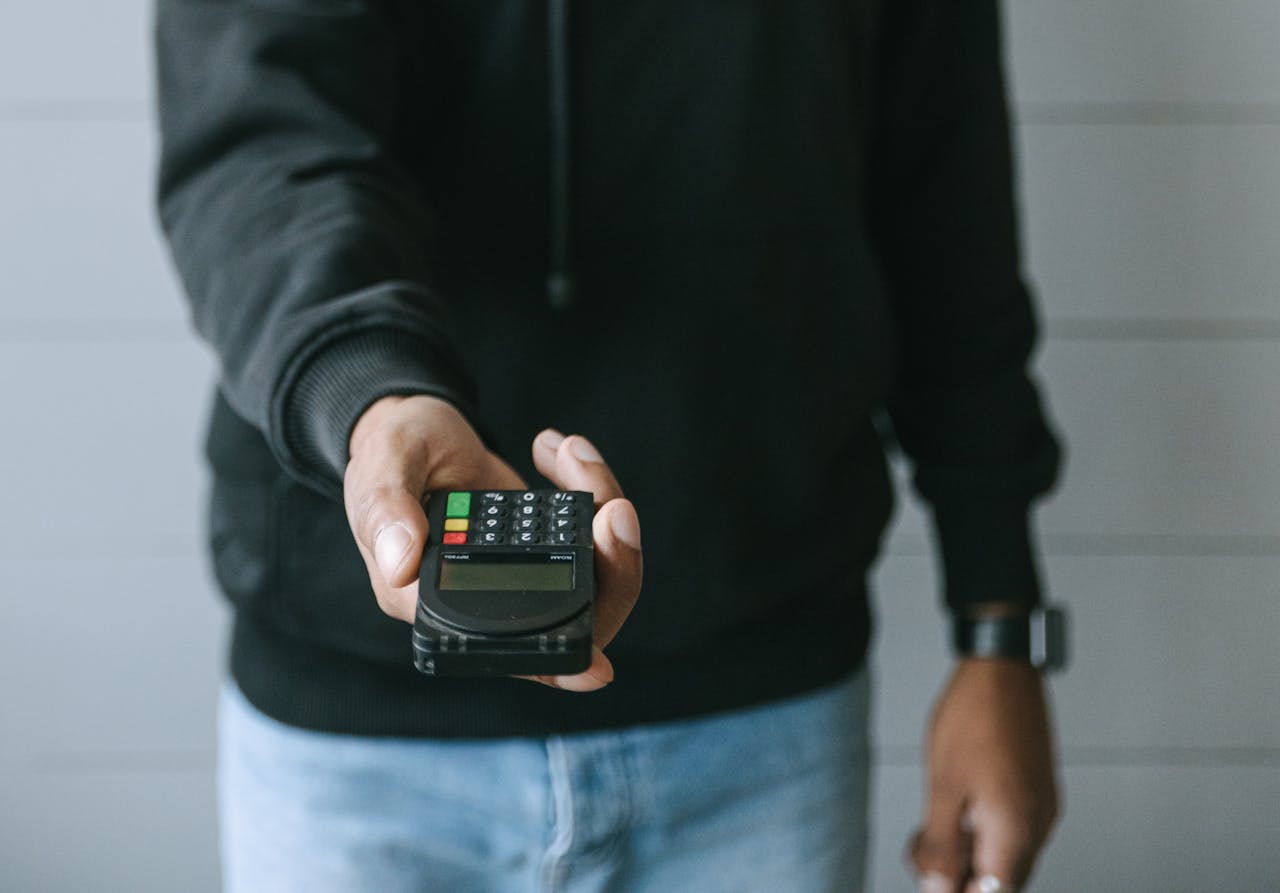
[(770, 798)]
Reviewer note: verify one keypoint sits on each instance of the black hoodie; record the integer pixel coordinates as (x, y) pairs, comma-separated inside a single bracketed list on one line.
[(719, 237)]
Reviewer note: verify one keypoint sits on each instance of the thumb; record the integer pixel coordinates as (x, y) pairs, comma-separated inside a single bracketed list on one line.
[(391, 528)]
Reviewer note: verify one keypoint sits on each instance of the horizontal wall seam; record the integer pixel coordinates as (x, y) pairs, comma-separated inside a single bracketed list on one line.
[(1129, 545), (1066, 329), (75, 111), (889, 756), (1052, 113), (1060, 545), (1148, 113), (1163, 329), (1123, 757)]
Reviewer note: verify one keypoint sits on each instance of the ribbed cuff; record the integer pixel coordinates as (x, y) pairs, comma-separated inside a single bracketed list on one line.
[(341, 381), (987, 554)]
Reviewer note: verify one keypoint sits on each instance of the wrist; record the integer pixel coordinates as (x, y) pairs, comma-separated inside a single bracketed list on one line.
[(331, 384), (996, 609), (392, 413)]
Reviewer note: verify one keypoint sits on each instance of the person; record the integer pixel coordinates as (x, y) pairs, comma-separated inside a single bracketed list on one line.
[(743, 249)]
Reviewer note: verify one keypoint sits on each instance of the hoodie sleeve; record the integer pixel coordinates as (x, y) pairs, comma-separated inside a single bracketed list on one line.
[(299, 239), (964, 408)]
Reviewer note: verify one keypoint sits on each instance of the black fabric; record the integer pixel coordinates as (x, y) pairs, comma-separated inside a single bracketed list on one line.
[(787, 217), (340, 378)]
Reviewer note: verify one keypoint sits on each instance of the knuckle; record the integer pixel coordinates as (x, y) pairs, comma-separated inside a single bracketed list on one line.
[(389, 602), (369, 508)]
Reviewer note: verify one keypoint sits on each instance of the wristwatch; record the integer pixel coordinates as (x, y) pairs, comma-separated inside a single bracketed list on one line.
[(1040, 637)]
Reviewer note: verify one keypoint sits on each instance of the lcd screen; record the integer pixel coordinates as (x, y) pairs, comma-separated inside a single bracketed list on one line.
[(506, 576)]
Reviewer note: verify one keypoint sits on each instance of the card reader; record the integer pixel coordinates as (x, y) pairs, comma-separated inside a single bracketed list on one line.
[(506, 584)]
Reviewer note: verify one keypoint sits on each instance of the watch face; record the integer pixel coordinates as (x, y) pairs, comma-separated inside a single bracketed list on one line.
[(1048, 639)]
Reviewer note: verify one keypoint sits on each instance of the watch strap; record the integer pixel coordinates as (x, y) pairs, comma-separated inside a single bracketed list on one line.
[(1038, 637)]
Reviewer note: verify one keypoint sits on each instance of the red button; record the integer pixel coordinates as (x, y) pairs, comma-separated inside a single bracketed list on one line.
[(455, 539)]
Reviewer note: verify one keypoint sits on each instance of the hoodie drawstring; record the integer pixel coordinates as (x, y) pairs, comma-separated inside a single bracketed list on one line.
[(560, 284)]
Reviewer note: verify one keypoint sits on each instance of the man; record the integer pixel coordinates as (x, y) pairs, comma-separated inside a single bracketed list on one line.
[(717, 237)]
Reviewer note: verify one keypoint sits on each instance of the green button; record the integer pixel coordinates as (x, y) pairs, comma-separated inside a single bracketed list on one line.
[(458, 506)]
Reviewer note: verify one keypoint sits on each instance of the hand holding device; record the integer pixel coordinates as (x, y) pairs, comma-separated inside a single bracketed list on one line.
[(405, 447)]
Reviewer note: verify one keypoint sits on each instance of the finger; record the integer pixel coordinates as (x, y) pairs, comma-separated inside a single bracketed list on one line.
[(619, 570), (1004, 848), (544, 450), (593, 678), (940, 850), (989, 883), (938, 883), (573, 463), (619, 567)]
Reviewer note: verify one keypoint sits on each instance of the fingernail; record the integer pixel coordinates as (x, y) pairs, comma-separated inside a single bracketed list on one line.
[(583, 449), (551, 438), (935, 883), (390, 546), (626, 526)]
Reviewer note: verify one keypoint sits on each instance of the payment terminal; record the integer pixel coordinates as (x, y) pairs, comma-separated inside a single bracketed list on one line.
[(506, 584)]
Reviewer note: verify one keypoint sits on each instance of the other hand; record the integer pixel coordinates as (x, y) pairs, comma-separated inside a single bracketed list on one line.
[(992, 796), (405, 447)]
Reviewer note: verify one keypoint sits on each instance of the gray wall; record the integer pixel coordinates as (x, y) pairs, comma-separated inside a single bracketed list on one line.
[(1150, 153)]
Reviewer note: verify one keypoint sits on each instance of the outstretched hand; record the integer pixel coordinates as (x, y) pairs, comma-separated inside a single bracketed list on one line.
[(405, 447)]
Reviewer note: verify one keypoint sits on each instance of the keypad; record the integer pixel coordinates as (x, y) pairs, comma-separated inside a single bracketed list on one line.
[(518, 518)]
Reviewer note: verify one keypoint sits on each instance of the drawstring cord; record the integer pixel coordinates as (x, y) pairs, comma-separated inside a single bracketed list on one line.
[(560, 284)]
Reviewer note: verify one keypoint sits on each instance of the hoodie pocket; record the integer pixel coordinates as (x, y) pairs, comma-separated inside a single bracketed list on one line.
[(321, 591)]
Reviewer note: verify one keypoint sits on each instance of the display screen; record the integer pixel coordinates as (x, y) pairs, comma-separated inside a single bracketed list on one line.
[(506, 575)]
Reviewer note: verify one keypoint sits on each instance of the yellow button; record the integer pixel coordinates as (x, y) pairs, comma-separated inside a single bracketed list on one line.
[(453, 524)]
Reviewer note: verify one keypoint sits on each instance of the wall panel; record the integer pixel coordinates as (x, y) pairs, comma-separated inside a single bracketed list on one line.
[(103, 455), (1145, 51), (82, 255)]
